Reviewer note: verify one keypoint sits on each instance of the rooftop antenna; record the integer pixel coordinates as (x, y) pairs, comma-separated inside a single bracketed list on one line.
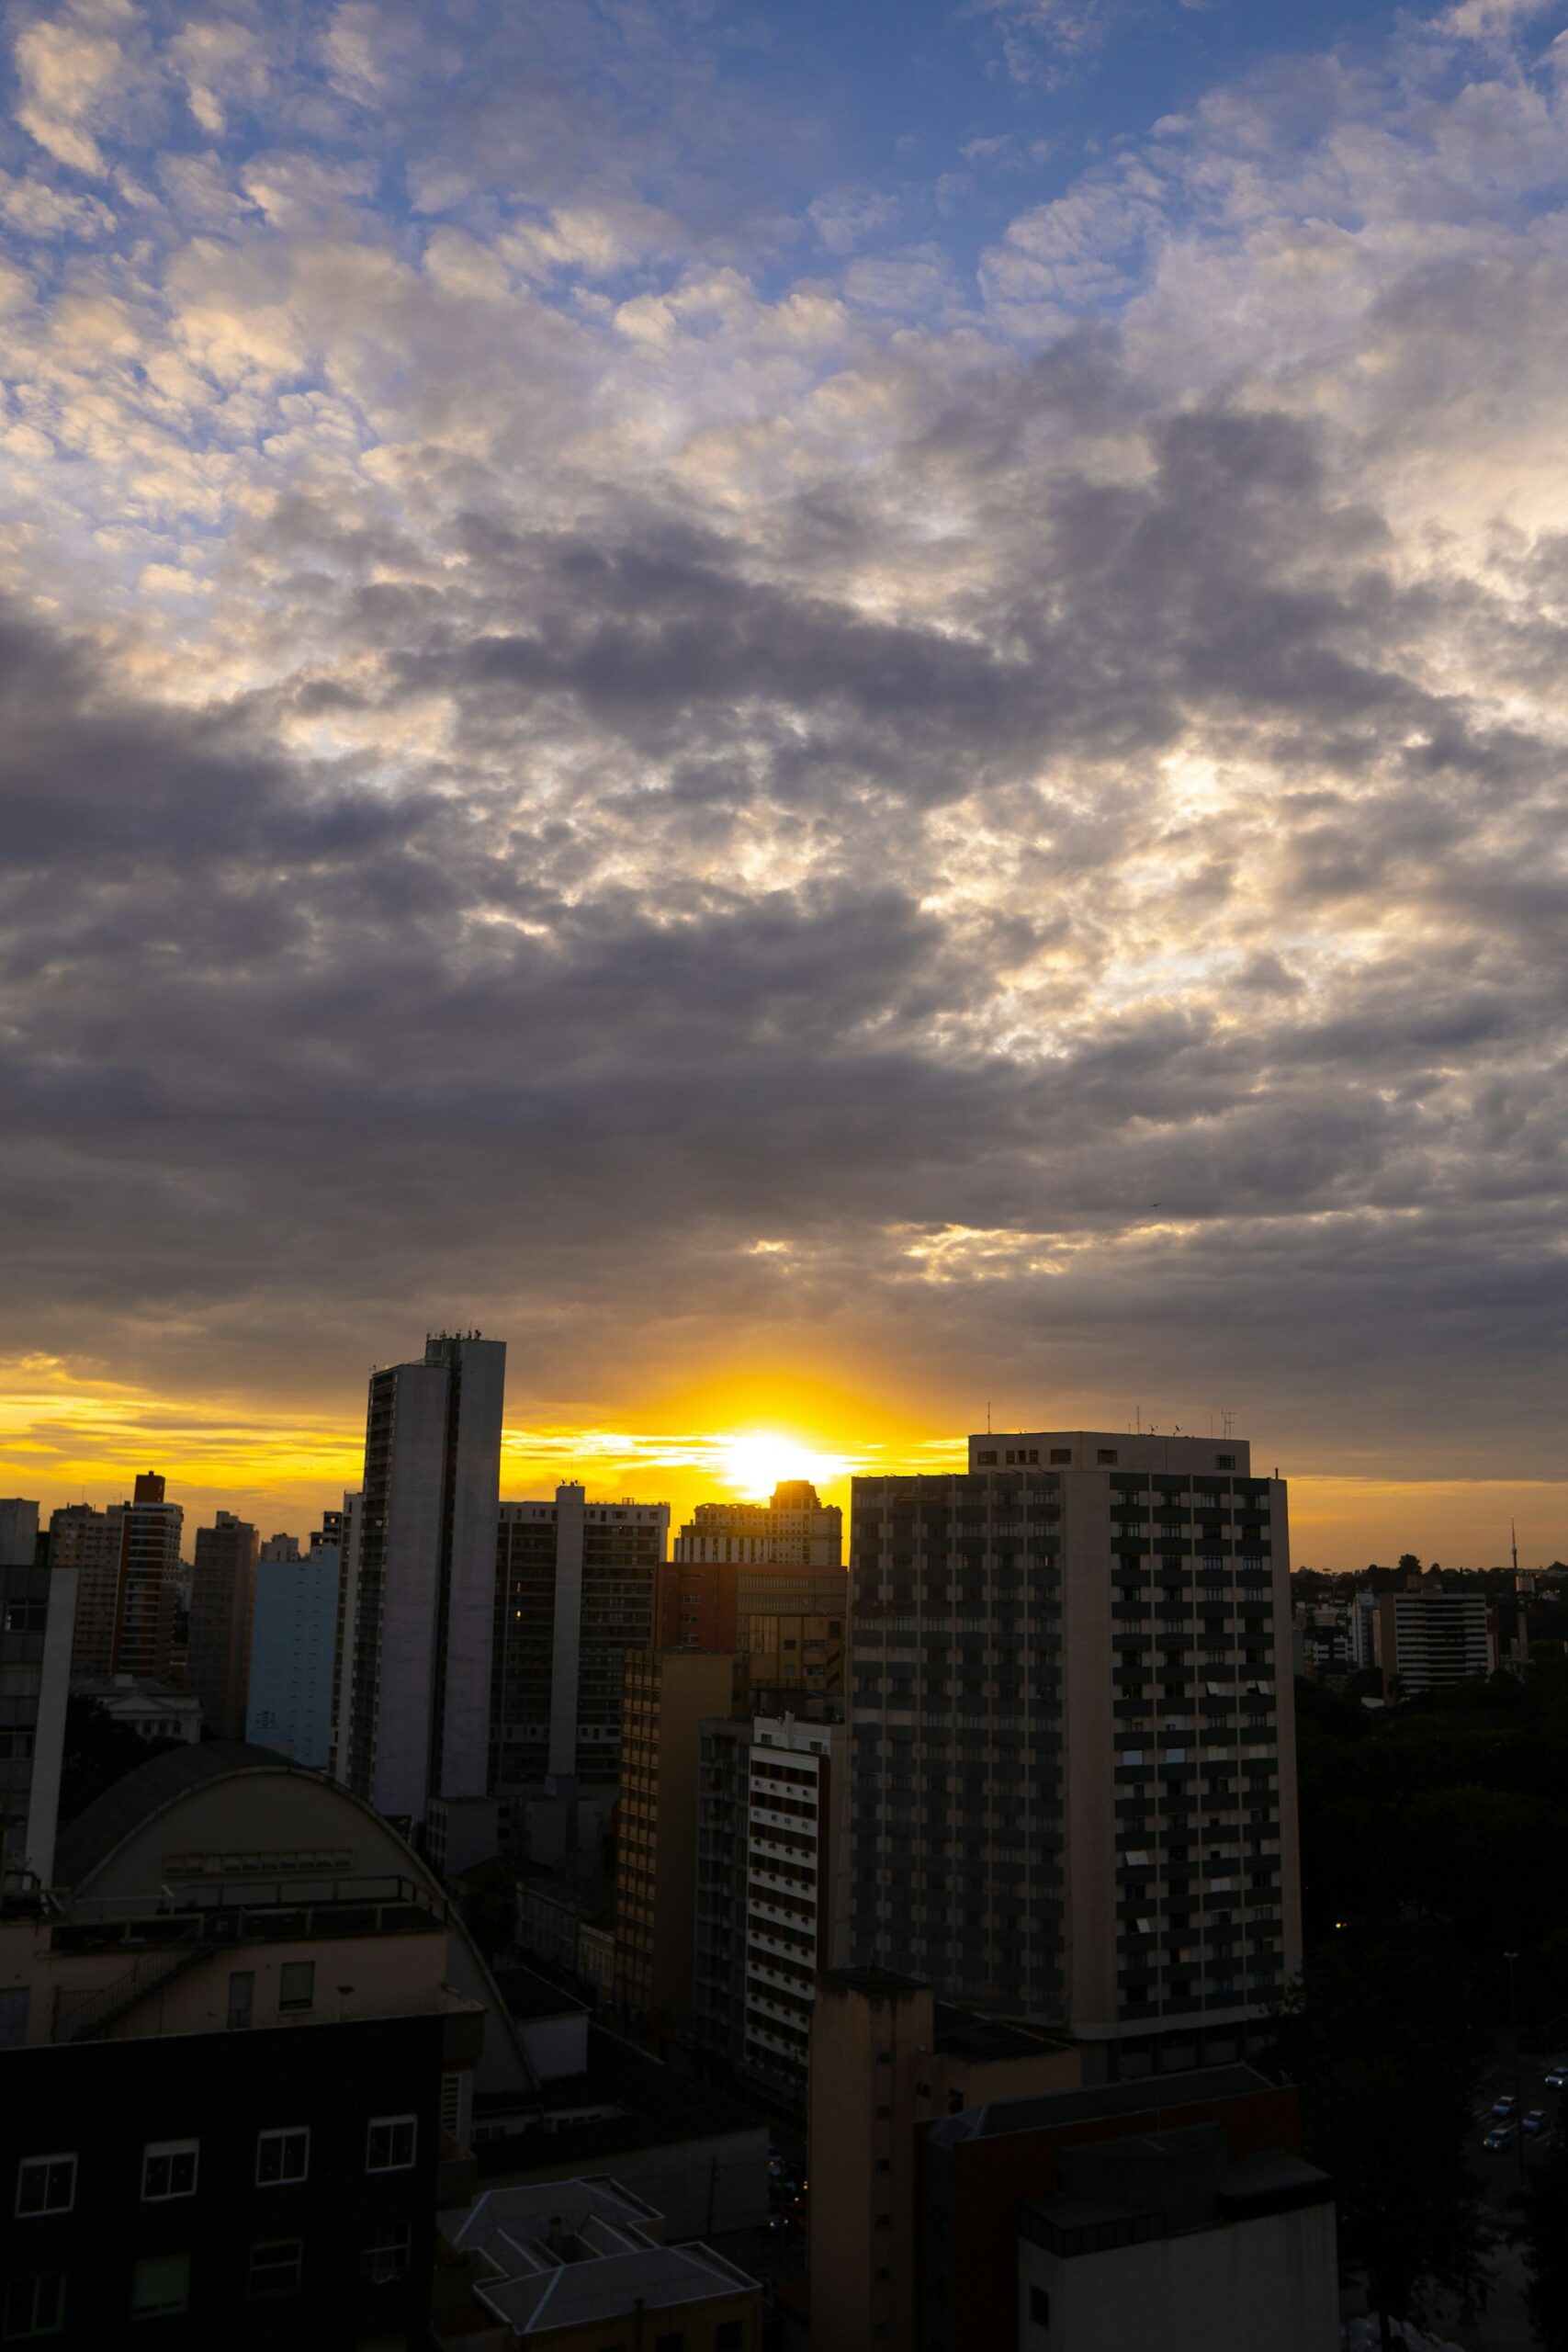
[(988, 1417), (1513, 1545), (1228, 1417)]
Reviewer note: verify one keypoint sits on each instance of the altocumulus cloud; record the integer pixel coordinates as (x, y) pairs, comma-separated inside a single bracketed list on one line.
[(545, 739)]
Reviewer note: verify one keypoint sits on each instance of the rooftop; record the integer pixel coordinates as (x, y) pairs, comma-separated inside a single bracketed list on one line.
[(1155, 2095), (92, 1837), (576, 2253)]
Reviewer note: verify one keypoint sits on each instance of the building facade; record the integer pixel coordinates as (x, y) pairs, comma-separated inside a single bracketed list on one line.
[(412, 1704), (786, 1622), (1122, 1595), (127, 1560), (573, 1591), (222, 1606), (1425, 1641), (293, 1642), (38, 1610), (796, 1528), (665, 1694)]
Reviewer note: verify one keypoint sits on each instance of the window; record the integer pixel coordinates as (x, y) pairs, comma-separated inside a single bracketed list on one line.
[(276, 2266), (1224, 1462), (671, 2341), (728, 2335), (389, 2145), (388, 2252), (169, 2168), (27, 1616), (1106, 1455), (242, 1996), (160, 2286), (1061, 1454), (35, 2306), (297, 1985), (45, 2185), (283, 2156), (1039, 2307)]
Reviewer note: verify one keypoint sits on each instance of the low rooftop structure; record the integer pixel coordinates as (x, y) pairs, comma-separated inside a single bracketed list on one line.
[(586, 2254)]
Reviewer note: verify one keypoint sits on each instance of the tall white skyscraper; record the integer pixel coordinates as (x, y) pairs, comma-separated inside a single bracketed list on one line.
[(413, 1700)]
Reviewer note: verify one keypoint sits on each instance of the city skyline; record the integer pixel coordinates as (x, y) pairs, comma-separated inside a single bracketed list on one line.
[(848, 718)]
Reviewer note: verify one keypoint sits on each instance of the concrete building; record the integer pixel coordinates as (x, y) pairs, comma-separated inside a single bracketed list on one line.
[(128, 1566), (573, 1591), (149, 1580), (293, 1641), (1423, 1641), (665, 1694), (578, 2264), (413, 1700), (280, 1547), (797, 1529), (1132, 2217), (152, 1710), (787, 1622), (888, 2061), (222, 1606), (238, 2056), (38, 1610), (18, 1533), (1122, 1595)]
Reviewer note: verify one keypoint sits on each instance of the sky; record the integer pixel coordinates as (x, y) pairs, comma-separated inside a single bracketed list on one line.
[(845, 716)]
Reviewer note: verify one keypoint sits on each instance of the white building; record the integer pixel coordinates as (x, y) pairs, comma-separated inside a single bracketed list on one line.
[(1425, 1641), (152, 1710), (793, 1773), (293, 1639), (414, 1696)]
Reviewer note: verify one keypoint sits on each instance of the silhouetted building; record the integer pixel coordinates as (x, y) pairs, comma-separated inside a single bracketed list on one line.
[(412, 1707), (222, 1603), (292, 1646), (1129, 1594), (664, 1696)]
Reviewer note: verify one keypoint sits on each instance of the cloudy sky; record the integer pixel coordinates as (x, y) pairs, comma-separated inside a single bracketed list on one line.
[(835, 712)]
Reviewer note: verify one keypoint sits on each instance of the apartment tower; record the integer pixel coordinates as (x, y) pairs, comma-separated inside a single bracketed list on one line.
[(415, 1683), (222, 1604), (1073, 1753)]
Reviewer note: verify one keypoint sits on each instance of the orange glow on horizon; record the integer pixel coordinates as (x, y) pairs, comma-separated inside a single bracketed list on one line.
[(68, 1435)]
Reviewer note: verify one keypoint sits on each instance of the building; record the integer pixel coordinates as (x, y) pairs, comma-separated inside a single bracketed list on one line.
[(148, 1580), (888, 2061), (223, 1605), (1174, 2216), (415, 1698), (152, 1710), (244, 1987), (1423, 1641), (127, 1560), (19, 1539), (576, 2263), (664, 1696), (38, 1610), (787, 1622), (343, 1632), (1323, 1637), (573, 1591), (796, 1528), (768, 1891), (285, 1547), (1125, 1593), (293, 1642)]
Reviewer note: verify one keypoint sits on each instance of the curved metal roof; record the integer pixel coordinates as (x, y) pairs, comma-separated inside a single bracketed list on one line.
[(122, 1809)]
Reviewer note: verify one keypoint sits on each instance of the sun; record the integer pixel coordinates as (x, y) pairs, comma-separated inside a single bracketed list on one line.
[(756, 1460)]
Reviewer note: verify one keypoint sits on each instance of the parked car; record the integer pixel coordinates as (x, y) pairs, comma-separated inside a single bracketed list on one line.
[(1557, 2080), (1500, 2136), (1535, 2120), (1503, 2108)]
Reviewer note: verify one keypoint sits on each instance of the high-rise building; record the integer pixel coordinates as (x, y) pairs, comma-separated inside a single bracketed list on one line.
[(280, 1547), (342, 1631), (127, 1564), (767, 1887), (1074, 1778), (796, 1528), (664, 1696), (38, 1607), (573, 1588), (413, 1718), (293, 1644), (222, 1600), (1423, 1641)]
